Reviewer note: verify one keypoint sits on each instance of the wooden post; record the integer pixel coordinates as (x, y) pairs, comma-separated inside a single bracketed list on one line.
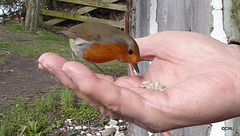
[(231, 18), (32, 16)]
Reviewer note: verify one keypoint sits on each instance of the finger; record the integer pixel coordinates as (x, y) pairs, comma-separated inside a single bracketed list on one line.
[(172, 45), (129, 81), (105, 92), (83, 77), (106, 77), (152, 45), (48, 60), (77, 90), (52, 64)]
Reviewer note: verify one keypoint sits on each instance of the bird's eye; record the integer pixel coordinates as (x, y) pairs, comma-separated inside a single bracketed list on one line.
[(130, 51)]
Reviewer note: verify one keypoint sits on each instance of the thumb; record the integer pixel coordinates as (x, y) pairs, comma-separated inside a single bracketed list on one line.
[(172, 45)]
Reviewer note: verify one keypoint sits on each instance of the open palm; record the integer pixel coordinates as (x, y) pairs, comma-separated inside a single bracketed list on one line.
[(201, 75)]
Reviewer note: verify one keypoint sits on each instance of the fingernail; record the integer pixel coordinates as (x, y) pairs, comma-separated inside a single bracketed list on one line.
[(68, 72), (45, 68)]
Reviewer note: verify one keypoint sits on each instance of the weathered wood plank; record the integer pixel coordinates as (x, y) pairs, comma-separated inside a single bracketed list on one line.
[(231, 21), (236, 125), (134, 130), (142, 18), (187, 15), (92, 3), (79, 11), (76, 17), (54, 21), (88, 9), (202, 130)]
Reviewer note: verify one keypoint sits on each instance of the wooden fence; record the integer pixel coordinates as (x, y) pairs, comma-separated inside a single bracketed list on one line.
[(81, 13)]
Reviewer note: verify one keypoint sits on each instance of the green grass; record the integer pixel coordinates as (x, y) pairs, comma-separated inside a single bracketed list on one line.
[(49, 111), (46, 113), (33, 45), (4, 57), (17, 28), (78, 110), (39, 112)]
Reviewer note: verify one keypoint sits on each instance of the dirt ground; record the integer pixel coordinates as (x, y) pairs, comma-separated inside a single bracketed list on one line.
[(20, 76)]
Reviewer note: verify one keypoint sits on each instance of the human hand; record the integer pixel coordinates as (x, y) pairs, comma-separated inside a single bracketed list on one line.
[(202, 77)]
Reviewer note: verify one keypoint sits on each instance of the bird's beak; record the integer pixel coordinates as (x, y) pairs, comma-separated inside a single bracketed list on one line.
[(135, 66)]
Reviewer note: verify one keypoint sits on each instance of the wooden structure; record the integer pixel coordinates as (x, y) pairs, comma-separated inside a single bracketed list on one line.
[(86, 7)]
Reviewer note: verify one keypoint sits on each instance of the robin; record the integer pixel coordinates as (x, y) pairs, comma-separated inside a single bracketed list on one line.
[(99, 43)]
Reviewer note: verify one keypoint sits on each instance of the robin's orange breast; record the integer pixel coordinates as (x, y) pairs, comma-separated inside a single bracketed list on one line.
[(99, 53)]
